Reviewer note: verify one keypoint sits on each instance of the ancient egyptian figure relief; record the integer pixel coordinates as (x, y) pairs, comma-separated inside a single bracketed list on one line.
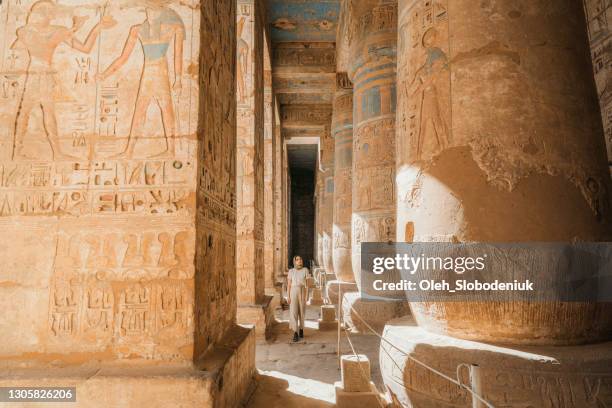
[(245, 28), (96, 80), (424, 72)]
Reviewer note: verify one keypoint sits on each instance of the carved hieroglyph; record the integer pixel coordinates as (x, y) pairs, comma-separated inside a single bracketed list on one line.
[(250, 96), (342, 131), (497, 142), (99, 172), (373, 73), (599, 21)]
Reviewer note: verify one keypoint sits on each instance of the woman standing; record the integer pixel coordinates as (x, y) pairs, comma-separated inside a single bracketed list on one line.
[(296, 289)]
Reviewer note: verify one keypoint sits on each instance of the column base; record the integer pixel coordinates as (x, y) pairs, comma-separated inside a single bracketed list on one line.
[(369, 399), (511, 376), (375, 313), (332, 290), (261, 315), (222, 378)]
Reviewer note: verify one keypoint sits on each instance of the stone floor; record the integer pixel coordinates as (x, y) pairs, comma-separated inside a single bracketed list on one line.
[(303, 374)]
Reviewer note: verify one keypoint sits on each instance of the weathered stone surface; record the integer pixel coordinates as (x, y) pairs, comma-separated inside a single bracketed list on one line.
[(342, 132), (280, 211), (355, 372), (369, 399), (99, 222), (328, 313), (260, 315), (268, 163), (372, 71), (355, 310), (512, 376), (599, 25), (491, 160), (221, 381), (334, 286), (316, 297), (250, 172)]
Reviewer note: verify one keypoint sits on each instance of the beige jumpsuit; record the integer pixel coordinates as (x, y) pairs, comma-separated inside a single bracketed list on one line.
[(297, 295)]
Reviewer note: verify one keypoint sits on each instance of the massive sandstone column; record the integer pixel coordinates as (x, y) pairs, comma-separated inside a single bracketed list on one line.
[(513, 153), (373, 38), (342, 132), (600, 35), (499, 140), (268, 194), (319, 185), (277, 185), (372, 54), (117, 203), (327, 197), (252, 301)]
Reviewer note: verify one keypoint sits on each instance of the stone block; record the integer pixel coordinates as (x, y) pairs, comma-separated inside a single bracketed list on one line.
[(368, 399), (355, 310), (511, 376), (260, 315), (355, 372), (328, 313), (220, 379), (334, 286), (316, 297), (327, 326)]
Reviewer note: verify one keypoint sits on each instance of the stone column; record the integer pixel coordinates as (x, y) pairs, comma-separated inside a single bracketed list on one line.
[(268, 198), (318, 218), (600, 35), (253, 304), (279, 209), (342, 132), (372, 69), (327, 198), (118, 213), (372, 72), (286, 186), (499, 140), (492, 161)]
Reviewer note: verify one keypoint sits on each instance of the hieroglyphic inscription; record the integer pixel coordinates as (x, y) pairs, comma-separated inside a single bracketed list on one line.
[(98, 188), (424, 81)]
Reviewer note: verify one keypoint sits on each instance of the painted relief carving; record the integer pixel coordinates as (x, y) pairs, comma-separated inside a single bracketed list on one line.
[(87, 91), (39, 38), (424, 81), (161, 28), (242, 63), (94, 79)]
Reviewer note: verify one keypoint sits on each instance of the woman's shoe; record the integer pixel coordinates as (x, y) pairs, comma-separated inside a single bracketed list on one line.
[(295, 337), (301, 333)]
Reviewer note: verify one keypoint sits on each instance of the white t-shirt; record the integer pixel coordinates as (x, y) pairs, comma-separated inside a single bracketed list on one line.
[(298, 276)]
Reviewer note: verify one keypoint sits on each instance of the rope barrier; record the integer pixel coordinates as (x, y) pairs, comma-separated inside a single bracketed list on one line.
[(363, 374), (456, 381)]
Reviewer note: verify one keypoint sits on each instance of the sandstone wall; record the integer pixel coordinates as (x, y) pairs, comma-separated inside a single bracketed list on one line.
[(98, 192)]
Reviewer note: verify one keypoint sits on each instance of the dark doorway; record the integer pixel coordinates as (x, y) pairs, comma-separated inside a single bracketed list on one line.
[(302, 160)]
